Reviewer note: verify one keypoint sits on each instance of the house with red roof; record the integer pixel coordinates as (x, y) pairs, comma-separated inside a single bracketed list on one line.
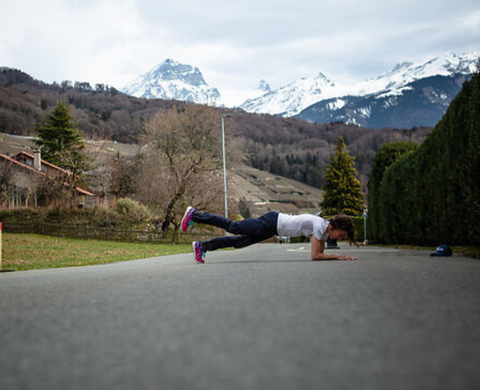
[(24, 172)]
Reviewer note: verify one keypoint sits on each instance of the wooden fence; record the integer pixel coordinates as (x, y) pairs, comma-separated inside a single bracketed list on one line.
[(94, 233)]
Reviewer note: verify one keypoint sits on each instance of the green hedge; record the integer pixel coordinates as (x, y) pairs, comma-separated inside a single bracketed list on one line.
[(431, 196), (386, 156), (358, 222)]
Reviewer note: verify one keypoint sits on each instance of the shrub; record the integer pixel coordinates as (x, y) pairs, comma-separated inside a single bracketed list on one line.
[(103, 217), (133, 211), (21, 215)]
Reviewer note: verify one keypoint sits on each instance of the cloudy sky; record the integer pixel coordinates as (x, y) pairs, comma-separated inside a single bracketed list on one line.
[(233, 43)]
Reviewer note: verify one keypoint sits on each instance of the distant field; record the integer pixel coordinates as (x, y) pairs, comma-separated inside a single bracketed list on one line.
[(12, 144), (30, 251)]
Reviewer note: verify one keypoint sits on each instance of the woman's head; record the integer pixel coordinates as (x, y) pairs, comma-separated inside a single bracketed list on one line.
[(342, 227)]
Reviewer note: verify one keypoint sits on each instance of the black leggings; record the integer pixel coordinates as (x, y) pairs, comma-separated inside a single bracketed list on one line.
[(248, 231)]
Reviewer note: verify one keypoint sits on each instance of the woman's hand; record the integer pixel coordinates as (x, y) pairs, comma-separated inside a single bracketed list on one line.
[(341, 257), (318, 248)]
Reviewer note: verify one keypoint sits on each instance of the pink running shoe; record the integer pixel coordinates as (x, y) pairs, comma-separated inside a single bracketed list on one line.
[(199, 254), (187, 218)]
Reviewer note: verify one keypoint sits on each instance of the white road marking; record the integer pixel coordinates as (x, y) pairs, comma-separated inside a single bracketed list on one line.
[(301, 249)]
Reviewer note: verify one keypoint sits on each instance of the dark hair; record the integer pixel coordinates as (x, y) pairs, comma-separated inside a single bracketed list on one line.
[(343, 222)]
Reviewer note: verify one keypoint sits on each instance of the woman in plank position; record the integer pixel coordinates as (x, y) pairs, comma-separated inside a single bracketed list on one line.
[(251, 231)]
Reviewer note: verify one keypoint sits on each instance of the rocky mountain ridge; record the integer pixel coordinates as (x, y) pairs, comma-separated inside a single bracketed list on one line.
[(171, 80)]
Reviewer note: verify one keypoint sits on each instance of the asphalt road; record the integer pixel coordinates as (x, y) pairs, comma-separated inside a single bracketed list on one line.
[(264, 317)]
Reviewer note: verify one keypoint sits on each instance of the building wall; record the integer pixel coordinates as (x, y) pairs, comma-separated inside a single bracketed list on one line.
[(19, 177)]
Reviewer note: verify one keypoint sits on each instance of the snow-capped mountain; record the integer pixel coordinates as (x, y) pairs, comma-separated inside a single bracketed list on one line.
[(293, 98), (420, 103), (409, 95), (172, 80), (263, 89), (415, 94), (405, 73)]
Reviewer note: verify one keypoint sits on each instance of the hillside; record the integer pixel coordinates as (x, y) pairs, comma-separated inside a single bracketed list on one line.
[(260, 191), (288, 147), (100, 111), (263, 192)]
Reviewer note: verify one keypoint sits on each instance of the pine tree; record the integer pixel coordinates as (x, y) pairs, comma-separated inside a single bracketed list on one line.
[(59, 137), (342, 189)]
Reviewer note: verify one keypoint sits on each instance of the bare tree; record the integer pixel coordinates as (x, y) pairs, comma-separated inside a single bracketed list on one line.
[(53, 189), (122, 175), (182, 159)]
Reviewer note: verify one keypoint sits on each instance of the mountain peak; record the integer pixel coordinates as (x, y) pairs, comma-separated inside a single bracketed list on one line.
[(169, 61), (323, 77), (401, 65), (292, 98), (173, 80), (173, 70), (264, 86)]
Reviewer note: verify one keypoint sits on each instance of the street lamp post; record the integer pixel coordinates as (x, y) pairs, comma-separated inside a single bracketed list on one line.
[(365, 214), (224, 164)]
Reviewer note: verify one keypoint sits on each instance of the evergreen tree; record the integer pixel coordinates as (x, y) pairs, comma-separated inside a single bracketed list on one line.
[(59, 138), (342, 189)]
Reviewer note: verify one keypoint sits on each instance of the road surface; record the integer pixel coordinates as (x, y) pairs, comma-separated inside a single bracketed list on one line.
[(264, 317)]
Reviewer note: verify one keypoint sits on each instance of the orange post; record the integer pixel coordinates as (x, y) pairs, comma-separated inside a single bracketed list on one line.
[(0, 245)]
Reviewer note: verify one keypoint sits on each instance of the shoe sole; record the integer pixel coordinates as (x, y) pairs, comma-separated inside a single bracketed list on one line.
[(185, 216)]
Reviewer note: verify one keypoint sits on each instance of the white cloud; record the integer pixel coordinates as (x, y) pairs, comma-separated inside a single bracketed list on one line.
[(233, 44), (59, 42)]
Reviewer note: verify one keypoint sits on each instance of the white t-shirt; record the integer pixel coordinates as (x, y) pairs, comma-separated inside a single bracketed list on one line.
[(306, 224)]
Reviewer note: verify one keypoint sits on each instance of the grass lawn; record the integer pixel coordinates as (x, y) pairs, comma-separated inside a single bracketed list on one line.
[(31, 251)]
